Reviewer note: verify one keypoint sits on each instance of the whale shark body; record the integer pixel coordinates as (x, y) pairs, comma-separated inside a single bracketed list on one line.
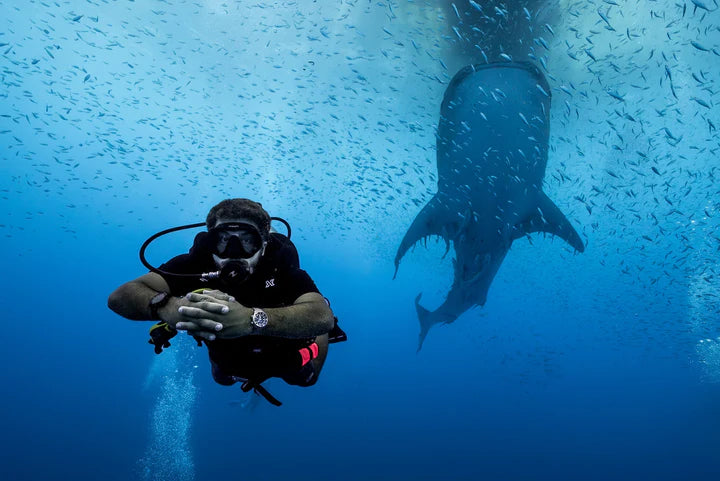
[(492, 147)]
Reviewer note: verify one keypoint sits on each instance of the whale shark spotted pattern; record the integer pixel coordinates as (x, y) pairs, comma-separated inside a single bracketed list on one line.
[(492, 147)]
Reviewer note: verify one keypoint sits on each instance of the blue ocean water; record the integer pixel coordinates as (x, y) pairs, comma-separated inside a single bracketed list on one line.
[(122, 118)]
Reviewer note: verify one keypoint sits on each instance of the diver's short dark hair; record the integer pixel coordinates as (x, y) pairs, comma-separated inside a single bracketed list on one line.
[(245, 209)]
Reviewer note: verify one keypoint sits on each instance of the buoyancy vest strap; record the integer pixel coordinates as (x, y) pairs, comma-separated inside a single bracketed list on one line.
[(336, 334), (248, 385), (264, 393)]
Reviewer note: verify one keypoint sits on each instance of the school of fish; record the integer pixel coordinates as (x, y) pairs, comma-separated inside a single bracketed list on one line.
[(330, 109)]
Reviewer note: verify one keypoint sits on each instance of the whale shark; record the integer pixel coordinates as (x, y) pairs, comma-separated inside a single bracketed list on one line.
[(492, 150)]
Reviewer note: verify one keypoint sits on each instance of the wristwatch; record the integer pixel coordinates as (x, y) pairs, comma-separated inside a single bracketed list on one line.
[(259, 318), (158, 300)]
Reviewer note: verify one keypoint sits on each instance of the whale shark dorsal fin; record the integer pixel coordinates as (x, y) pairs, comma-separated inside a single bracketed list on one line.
[(548, 218)]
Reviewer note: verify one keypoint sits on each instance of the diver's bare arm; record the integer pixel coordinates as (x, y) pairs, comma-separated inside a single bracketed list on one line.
[(309, 316), (132, 299)]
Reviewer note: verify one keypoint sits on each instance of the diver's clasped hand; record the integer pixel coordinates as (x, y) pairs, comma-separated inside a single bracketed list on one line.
[(212, 314)]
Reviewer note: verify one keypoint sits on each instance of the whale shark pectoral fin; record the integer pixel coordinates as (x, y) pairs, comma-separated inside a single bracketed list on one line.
[(431, 220), (425, 321), (548, 218)]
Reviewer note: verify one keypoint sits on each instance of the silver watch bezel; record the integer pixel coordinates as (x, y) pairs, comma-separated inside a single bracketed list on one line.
[(259, 318)]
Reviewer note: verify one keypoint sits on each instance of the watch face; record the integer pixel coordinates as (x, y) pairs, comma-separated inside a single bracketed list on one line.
[(158, 299), (260, 318)]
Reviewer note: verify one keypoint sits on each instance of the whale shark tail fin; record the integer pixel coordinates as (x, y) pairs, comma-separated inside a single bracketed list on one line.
[(548, 218), (428, 222), (425, 321)]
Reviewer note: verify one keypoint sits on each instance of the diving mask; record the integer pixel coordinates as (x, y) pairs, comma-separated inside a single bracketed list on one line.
[(235, 240)]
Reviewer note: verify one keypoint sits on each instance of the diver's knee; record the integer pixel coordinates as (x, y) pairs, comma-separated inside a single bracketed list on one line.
[(220, 377), (305, 377)]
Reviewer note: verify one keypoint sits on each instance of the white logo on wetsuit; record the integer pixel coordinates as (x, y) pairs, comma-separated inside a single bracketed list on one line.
[(270, 283)]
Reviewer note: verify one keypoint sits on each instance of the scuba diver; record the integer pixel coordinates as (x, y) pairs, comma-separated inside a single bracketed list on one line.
[(241, 292)]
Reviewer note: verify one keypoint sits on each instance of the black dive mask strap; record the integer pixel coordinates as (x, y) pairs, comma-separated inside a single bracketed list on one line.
[(160, 234)]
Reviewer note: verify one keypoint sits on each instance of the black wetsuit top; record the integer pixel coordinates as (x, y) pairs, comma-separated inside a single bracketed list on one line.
[(276, 282)]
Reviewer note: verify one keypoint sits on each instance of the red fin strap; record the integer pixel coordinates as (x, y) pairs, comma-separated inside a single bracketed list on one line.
[(305, 354), (309, 353)]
